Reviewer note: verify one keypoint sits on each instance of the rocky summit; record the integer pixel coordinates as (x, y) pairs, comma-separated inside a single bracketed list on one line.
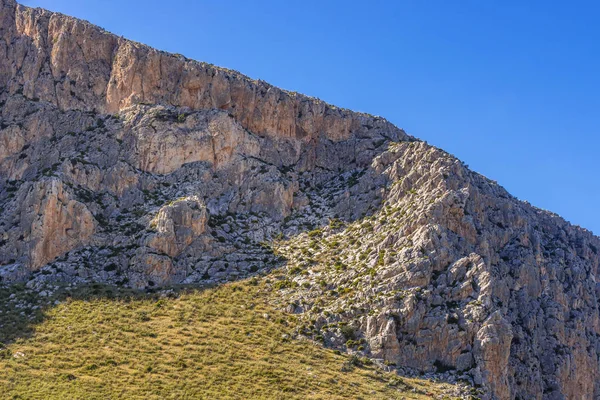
[(124, 165)]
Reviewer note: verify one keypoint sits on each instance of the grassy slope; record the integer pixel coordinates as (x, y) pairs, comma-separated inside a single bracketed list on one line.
[(225, 342)]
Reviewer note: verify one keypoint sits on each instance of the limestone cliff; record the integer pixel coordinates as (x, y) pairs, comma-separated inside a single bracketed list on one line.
[(452, 274), (127, 165), (75, 65)]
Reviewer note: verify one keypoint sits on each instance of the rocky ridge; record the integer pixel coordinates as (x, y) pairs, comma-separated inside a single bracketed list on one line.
[(126, 165)]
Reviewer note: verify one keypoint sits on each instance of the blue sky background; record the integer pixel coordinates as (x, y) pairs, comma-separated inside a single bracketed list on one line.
[(510, 87)]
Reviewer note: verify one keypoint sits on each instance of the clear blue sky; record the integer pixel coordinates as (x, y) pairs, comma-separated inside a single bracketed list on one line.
[(511, 87)]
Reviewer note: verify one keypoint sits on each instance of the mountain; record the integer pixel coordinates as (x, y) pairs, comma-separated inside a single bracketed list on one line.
[(128, 166)]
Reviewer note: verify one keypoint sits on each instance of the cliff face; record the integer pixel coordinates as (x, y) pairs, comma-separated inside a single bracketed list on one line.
[(75, 65), (451, 273), (123, 164)]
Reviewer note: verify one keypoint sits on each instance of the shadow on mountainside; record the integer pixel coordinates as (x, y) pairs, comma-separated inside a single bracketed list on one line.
[(23, 306), (76, 333), (379, 256)]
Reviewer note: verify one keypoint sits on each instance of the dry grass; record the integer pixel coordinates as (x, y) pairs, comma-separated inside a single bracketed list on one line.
[(219, 343)]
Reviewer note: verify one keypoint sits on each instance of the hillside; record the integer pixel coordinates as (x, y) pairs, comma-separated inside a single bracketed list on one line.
[(101, 342), (125, 166)]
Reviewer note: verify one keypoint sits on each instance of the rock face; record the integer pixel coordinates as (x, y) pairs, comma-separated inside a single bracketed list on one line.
[(75, 65), (491, 354), (123, 164), (47, 223), (165, 142), (177, 225), (451, 273)]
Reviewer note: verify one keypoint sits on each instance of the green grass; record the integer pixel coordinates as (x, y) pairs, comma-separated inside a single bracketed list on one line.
[(220, 343)]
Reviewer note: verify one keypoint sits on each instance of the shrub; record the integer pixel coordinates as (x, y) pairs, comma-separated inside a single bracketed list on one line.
[(315, 233), (348, 332), (284, 284), (335, 223), (351, 363), (381, 258)]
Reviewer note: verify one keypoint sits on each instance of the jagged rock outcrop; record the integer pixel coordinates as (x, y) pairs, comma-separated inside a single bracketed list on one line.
[(177, 225), (45, 222), (123, 164), (451, 273), (172, 231)]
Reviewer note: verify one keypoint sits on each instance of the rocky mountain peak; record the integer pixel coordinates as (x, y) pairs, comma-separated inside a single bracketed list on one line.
[(127, 165)]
